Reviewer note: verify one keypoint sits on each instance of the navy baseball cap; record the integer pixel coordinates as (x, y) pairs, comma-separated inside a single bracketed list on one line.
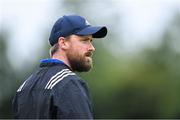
[(74, 24)]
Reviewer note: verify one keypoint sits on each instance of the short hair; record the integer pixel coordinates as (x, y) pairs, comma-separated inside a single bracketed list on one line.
[(53, 49)]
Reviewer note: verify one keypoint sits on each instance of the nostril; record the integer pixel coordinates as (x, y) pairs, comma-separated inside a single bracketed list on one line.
[(92, 48)]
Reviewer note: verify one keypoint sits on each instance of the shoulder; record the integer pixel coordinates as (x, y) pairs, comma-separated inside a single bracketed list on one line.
[(60, 78)]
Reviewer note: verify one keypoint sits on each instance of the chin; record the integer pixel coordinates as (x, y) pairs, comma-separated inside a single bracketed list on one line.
[(89, 59)]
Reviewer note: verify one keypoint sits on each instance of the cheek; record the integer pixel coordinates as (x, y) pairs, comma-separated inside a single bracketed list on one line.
[(75, 51), (78, 49)]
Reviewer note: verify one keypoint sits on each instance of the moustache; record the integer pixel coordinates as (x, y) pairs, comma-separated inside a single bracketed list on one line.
[(89, 54)]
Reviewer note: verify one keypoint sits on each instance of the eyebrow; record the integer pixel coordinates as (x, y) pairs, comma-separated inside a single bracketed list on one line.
[(86, 38)]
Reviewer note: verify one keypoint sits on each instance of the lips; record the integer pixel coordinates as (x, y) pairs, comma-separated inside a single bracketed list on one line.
[(88, 54)]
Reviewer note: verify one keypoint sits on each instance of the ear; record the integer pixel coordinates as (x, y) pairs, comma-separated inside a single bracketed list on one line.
[(63, 43)]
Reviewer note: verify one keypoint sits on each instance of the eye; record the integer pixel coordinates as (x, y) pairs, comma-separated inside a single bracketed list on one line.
[(85, 40)]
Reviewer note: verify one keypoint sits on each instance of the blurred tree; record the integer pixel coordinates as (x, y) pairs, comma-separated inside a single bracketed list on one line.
[(143, 86), (7, 79), (152, 90), (165, 62)]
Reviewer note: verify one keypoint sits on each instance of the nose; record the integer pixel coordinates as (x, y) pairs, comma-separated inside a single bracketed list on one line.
[(91, 47)]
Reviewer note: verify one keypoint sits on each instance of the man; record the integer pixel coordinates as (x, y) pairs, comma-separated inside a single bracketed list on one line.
[(54, 90)]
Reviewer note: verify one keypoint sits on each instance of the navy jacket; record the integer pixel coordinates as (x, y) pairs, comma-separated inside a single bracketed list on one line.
[(53, 91)]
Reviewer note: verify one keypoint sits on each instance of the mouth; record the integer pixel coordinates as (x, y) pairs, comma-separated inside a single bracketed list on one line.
[(89, 54)]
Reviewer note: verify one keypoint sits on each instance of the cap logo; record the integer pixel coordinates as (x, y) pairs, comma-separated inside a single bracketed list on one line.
[(87, 23)]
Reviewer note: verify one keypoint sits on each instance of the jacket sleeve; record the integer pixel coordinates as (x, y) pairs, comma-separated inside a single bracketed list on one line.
[(72, 102)]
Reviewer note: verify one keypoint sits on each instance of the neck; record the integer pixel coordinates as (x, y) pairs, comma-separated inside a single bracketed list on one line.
[(62, 58)]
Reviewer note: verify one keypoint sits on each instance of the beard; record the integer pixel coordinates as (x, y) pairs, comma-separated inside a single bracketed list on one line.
[(80, 62)]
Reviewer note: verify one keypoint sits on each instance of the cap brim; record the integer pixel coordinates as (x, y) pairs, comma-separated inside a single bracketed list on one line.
[(96, 32)]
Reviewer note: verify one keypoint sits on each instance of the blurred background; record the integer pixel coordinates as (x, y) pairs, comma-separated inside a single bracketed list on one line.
[(136, 67)]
